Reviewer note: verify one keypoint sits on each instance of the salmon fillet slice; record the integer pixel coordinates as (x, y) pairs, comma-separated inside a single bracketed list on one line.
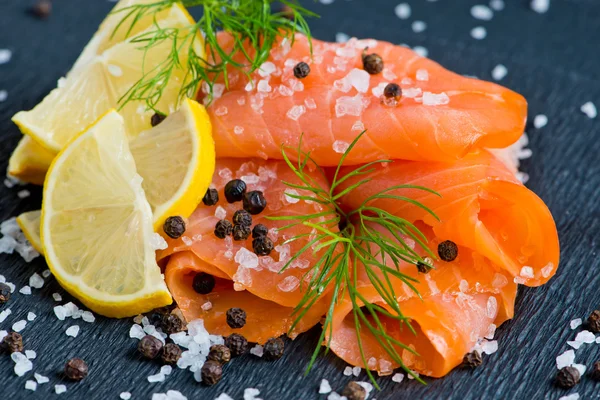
[(482, 207), (441, 116)]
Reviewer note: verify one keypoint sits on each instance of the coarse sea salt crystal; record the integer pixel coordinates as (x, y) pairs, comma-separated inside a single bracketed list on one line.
[(285, 91), (221, 111), (422, 75), (339, 146), (359, 79), (349, 105), (257, 350), (58, 389), (157, 242), (348, 371), (589, 109), (296, 112), (87, 316), (398, 378), (263, 86), (572, 396), (418, 26), (19, 325), (341, 37), (540, 121), (540, 6), (310, 103), (26, 290), (288, 284), (479, 33), (492, 307), (403, 11), (266, 69), (497, 5), (5, 56), (22, 194), (41, 379), (72, 331), (576, 323), (565, 359), (527, 272), (435, 99), (489, 347), (3, 96), (324, 387), (490, 332), (246, 258), (4, 314), (356, 371), (463, 286), (31, 385), (56, 297), (420, 50), (238, 130), (574, 344), (22, 367), (36, 281), (547, 270), (482, 12), (581, 368), (224, 396), (206, 306), (335, 396), (220, 212), (31, 316), (3, 334), (46, 273), (289, 196), (585, 337), (125, 396)]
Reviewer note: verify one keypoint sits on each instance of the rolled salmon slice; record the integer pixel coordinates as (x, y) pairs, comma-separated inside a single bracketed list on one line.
[(441, 115), (264, 319), (482, 207)]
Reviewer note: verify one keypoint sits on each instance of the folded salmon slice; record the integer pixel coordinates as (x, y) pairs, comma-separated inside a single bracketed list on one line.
[(441, 116), (482, 207), (461, 302)]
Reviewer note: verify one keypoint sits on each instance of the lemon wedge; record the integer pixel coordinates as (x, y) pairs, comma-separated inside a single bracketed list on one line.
[(96, 225), (176, 159), (98, 84), (29, 222), (30, 161)]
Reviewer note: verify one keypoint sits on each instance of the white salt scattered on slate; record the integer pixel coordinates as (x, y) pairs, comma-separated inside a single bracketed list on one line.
[(46, 273), (418, 26), (26, 290), (565, 359), (36, 281), (540, 6), (31, 316), (257, 350), (499, 72), (22, 194), (5, 56), (497, 5), (589, 109), (580, 367), (368, 388), (324, 387), (341, 37), (479, 33), (3, 334), (251, 393), (87, 316), (576, 323), (420, 50), (72, 331), (3, 95), (170, 395), (125, 396), (348, 371), (356, 371), (19, 325), (403, 11), (397, 377), (585, 337), (4, 314), (41, 379), (58, 389), (56, 297), (224, 396), (482, 12), (572, 396), (31, 385), (540, 121)]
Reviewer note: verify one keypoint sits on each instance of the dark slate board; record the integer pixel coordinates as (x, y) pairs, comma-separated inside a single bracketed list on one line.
[(552, 59)]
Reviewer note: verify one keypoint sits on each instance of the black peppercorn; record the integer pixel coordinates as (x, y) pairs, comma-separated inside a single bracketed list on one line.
[(472, 359), (259, 230), (237, 344), (211, 197), (392, 91), (158, 313), (301, 70), (212, 372), (223, 229), (171, 353), (593, 321), (236, 317), (150, 346), (241, 232), (273, 349), (353, 391), (42, 9), (262, 246), (254, 202), (157, 119), (4, 293), (13, 343), (423, 268), (242, 217), (76, 369), (372, 63), (174, 227), (172, 323), (595, 372), (219, 353), (234, 190), (203, 283), (568, 377), (448, 250)]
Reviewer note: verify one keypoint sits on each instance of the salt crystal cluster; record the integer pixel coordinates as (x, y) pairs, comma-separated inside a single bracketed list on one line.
[(170, 395), (14, 240)]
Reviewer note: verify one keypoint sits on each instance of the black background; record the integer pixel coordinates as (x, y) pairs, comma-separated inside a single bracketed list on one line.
[(552, 59)]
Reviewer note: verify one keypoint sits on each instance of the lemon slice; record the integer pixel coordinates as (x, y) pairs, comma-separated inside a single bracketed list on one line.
[(30, 161), (96, 225), (176, 159), (97, 86), (29, 222)]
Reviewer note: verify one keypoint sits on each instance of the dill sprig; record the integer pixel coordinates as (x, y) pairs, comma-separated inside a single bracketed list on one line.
[(349, 241), (252, 25)]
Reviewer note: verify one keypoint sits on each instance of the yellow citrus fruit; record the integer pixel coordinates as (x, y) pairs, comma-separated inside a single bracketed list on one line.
[(29, 222), (176, 158), (99, 84), (96, 225), (30, 161)]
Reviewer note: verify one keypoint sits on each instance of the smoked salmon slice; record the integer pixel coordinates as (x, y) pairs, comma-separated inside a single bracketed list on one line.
[(482, 206), (441, 116)]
